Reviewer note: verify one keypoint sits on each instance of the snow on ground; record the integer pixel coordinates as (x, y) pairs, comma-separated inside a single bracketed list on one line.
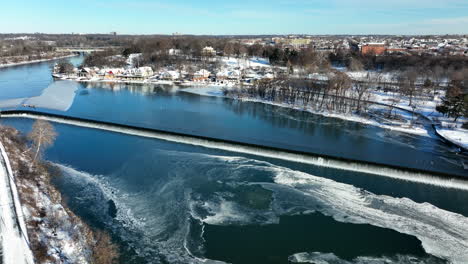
[(406, 127), (416, 130), (458, 136), (362, 75), (14, 244), (55, 233), (446, 126), (424, 106), (253, 62)]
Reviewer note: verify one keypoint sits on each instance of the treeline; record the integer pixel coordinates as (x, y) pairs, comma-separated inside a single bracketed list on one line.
[(163, 51), (338, 94), (109, 58), (11, 48), (399, 62)]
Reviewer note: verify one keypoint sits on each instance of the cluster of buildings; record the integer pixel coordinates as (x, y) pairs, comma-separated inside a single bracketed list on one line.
[(300, 42), (232, 71), (379, 45), (130, 74), (433, 45)]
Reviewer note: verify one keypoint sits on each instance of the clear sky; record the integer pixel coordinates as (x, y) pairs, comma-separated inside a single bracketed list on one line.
[(235, 17)]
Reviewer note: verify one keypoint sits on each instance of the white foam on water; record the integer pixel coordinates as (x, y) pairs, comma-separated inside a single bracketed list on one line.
[(109, 193), (400, 174), (136, 223), (442, 233), (224, 212)]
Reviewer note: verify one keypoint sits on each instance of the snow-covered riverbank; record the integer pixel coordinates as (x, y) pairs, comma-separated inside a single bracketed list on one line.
[(400, 127), (12, 64), (54, 233), (455, 134), (14, 242), (457, 137), (446, 127)]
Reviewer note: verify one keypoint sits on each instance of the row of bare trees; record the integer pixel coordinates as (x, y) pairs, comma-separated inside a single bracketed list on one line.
[(338, 94)]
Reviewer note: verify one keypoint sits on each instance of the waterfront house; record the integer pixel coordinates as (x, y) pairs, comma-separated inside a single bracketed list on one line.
[(222, 75), (201, 75), (145, 71), (84, 72), (109, 74), (169, 75)]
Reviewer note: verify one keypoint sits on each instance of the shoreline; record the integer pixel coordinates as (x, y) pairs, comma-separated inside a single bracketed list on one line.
[(149, 81), (353, 118), (35, 61), (442, 133), (347, 117), (417, 130)]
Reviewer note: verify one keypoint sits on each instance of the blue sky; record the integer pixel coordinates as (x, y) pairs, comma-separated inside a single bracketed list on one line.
[(236, 17)]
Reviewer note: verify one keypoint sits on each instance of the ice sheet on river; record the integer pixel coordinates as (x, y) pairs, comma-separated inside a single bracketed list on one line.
[(160, 208), (59, 95), (9, 103)]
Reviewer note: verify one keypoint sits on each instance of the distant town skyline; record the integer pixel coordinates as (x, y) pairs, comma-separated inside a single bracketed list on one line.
[(208, 17)]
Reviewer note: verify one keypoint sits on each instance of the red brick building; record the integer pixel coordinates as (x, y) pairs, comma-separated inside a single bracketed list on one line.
[(373, 48)]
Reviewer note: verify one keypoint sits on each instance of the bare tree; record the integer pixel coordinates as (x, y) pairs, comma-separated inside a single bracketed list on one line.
[(438, 76), (355, 64), (229, 49), (42, 135), (407, 84), (361, 88), (65, 67)]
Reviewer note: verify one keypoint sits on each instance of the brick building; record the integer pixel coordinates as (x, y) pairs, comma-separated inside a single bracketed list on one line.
[(373, 48)]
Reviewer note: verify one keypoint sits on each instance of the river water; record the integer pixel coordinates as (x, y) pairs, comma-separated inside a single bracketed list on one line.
[(167, 202)]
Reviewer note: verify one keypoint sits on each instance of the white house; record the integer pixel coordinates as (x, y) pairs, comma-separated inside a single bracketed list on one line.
[(208, 51), (145, 71), (169, 75), (201, 75)]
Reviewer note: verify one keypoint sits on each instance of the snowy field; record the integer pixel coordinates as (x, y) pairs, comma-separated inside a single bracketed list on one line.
[(447, 127)]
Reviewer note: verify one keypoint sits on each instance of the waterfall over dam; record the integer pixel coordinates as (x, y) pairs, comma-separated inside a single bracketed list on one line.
[(378, 169)]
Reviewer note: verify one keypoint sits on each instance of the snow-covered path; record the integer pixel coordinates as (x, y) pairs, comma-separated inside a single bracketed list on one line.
[(13, 236)]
